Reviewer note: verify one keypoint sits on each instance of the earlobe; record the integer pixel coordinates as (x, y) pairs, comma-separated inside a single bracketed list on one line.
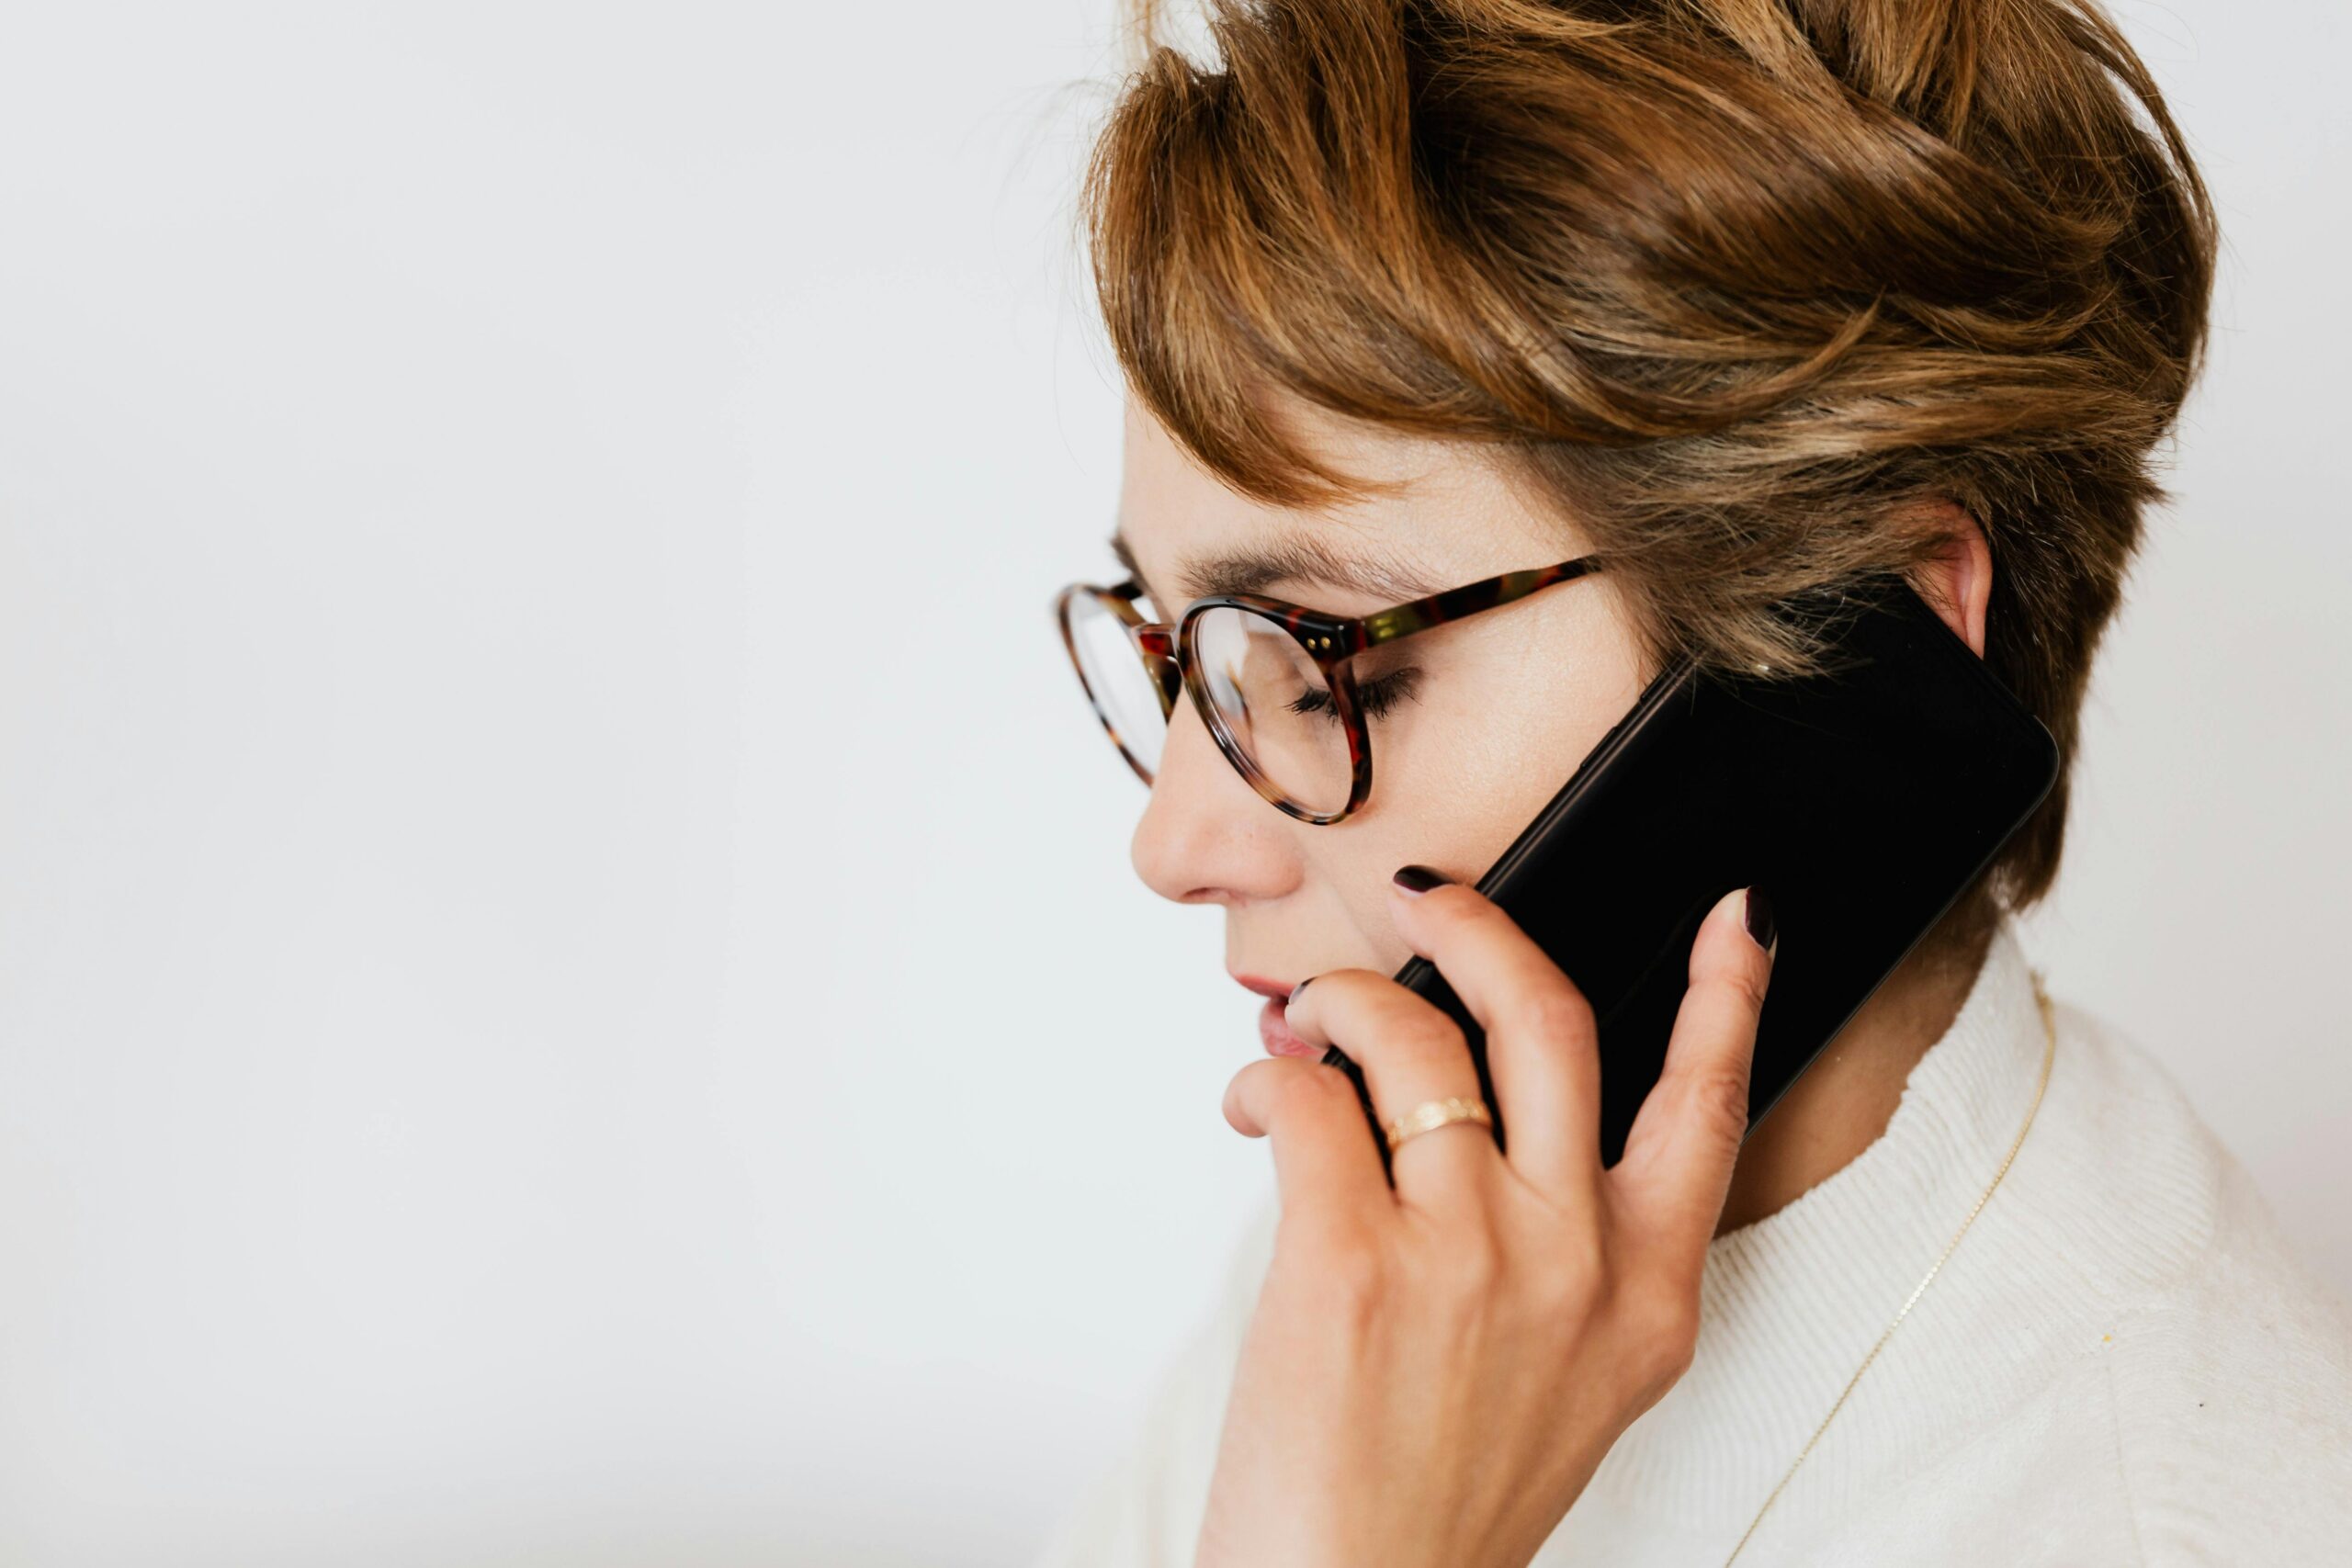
[(1957, 581)]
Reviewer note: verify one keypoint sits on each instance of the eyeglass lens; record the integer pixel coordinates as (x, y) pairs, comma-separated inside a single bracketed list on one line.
[(1118, 679), (1276, 705), (1274, 713)]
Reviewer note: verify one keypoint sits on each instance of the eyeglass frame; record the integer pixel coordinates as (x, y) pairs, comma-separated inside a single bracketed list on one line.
[(1170, 654)]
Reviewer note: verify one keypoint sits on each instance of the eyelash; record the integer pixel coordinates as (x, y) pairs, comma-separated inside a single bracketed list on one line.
[(1374, 698)]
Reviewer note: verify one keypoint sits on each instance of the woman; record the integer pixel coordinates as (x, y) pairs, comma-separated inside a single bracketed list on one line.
[(1743, 299)]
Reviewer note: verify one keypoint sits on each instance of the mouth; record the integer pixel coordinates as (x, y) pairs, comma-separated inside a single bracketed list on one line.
[(1274, 1032)]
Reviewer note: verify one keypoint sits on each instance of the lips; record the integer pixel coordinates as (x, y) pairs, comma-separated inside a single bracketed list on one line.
[(1277, 989), (1274, 1032)]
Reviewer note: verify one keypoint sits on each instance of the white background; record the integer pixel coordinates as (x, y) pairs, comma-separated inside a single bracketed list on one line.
[(570, 986)]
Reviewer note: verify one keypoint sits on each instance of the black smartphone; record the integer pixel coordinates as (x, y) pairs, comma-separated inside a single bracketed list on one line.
[(1864, 800)]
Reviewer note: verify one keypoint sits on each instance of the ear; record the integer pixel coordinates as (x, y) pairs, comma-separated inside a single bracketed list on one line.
[(1959, 582)]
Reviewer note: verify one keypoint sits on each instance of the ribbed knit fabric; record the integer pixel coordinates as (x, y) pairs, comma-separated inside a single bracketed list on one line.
[(2123, 1362)]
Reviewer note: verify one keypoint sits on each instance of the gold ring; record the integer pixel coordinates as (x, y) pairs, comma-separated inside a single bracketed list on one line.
[(1432, 1114)]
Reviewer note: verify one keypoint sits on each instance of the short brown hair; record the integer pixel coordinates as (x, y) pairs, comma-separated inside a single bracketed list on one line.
[(1743, 284)]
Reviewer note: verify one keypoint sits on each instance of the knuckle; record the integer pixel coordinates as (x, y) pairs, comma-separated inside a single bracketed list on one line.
[(1377, 1017), (1348, 1271), (1413, 1031), (1589, 1270), (1471, 1266), (1263, 1075), (1331, 982), (1287, 1095), (1669, 1315), (1266, 1083), (1673, 1346), (1557, 1012), (1717, 1096), (1458, 910), (1458, 901), (1428, 1034), (1574, 1274), (1751, 980), (1332, 987), (1480, 913)]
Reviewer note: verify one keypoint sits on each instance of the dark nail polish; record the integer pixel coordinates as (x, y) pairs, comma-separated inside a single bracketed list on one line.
[(1294, 990), (1760, 919), (1419, 878)]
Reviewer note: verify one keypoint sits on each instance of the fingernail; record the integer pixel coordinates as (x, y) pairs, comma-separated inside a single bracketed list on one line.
[(1294, 990), (1419, 878), (1759, 920)]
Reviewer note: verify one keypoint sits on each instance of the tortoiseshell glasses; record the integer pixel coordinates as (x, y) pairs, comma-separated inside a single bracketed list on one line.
[(1273, 682)]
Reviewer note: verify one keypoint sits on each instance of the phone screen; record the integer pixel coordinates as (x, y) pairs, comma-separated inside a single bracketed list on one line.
[(1864, 800)]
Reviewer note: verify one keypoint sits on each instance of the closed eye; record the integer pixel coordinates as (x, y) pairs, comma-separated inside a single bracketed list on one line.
[(1374, 698)]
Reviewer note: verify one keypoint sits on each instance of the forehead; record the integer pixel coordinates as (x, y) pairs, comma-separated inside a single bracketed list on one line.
[(1455, 517)]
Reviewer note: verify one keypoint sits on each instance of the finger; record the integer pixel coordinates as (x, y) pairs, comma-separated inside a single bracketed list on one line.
[(1680, 1149), (1542, 1046), (1326, 1168), (1410, 1053)]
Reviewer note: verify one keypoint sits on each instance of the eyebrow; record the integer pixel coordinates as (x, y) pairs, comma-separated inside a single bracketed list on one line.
[(1300, 558)]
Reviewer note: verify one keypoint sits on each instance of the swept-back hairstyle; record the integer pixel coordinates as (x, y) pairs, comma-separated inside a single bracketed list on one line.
[(1748, 287)]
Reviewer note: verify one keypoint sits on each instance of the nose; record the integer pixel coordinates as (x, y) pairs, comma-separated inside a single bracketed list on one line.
[(1206, 837)]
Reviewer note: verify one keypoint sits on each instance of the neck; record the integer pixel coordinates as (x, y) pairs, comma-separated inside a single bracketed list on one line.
[(1842, 1103)]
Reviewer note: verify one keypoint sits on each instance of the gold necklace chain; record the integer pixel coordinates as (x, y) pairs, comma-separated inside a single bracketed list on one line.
[(2050, 1029)]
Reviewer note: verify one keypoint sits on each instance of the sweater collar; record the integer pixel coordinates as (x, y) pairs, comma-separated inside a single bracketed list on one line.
[(1792, 1303)]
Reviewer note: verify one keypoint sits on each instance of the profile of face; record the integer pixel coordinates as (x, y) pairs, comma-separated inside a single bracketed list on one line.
[(1495, 709), (1491, 714)]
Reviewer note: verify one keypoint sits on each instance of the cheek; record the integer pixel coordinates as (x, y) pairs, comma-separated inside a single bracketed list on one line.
[(1462, 775), (1450, 790), (1460, 772)]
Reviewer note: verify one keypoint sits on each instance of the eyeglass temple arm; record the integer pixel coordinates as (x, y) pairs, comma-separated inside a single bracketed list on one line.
[(1437, 609)]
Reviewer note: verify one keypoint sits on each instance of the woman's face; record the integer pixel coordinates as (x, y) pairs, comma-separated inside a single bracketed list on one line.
[(1502, 708)]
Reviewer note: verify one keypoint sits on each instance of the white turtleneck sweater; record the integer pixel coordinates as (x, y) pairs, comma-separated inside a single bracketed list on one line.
[(2123, 1362)]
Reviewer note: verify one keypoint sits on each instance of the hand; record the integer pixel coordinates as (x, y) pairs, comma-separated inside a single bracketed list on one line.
[(1433, 1373)]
